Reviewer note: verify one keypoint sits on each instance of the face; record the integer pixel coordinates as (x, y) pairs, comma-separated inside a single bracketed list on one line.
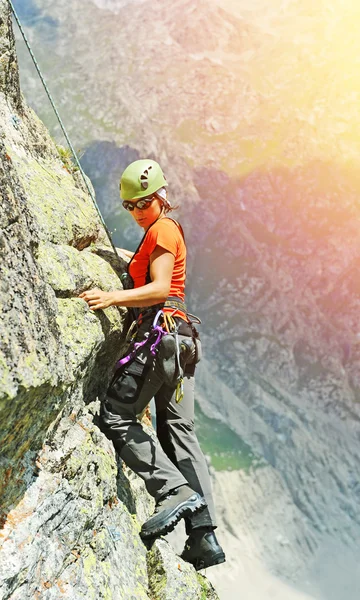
[(146, 216)]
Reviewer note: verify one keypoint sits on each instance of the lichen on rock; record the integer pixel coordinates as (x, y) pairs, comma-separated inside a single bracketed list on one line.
[(70, 515), (170, 579)]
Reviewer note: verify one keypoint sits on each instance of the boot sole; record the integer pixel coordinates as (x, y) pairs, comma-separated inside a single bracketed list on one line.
[(179, 512), (204, 564)]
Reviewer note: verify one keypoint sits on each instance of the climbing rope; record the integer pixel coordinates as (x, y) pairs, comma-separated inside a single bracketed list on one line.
[(77, 162)]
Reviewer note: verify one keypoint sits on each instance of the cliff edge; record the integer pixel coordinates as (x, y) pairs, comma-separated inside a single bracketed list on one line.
[(70, 515)]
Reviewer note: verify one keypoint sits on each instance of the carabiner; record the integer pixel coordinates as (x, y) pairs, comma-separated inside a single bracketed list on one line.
[(179, 391)]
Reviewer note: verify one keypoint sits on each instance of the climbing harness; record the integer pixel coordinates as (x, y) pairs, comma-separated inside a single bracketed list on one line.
[(61, 125), (164, 339), (156, 332)]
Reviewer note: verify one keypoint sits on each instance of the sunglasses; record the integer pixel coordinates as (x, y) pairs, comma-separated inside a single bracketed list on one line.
[(141, 204)]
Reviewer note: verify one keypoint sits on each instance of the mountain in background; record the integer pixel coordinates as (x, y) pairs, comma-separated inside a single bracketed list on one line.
[(253, 113)]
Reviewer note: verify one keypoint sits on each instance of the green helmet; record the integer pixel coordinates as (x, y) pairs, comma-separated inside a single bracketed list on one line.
[(141, 178)]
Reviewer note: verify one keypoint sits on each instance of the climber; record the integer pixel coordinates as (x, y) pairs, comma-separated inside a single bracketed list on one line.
[(162, 367)]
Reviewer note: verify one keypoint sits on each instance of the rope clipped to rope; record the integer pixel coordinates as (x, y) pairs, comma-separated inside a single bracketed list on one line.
[(77, 162)]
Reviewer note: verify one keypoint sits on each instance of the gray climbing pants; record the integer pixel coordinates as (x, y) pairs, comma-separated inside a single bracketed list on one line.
[(173, 457)]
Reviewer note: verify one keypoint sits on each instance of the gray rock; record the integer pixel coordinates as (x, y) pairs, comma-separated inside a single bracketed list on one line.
[(70, 518), (170, 577)]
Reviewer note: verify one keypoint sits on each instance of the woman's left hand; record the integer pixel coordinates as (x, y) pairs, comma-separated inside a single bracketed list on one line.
[(97, 299)]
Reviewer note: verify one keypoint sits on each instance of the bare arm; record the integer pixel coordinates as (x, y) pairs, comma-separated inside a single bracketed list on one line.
[(161, 269), (127, 253)]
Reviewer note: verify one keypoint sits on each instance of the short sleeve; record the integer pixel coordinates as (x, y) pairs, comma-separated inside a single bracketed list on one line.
[(163, 233)]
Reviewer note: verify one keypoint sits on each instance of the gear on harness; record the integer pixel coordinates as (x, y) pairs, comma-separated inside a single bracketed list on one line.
[(163, 342), (177, 374), (126, 281), (156, 332), (131, 371)]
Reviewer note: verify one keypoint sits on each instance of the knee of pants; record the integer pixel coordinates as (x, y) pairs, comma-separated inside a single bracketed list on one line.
[(178, 430), (165, 418), (115, 424)]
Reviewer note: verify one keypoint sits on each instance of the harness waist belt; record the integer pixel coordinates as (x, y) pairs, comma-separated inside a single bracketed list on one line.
[(170, 302), (173, 302)]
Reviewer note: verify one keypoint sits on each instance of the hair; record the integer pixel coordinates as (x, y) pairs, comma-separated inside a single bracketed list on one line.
[(166, 206)]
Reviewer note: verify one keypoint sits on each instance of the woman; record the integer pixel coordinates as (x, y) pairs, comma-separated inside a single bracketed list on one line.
[(172, 466)]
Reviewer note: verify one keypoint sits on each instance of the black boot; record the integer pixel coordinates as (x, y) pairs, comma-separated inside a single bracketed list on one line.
[(202, 549), (179, 503)]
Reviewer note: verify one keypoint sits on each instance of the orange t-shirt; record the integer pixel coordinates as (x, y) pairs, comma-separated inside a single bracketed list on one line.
[(165, 233)]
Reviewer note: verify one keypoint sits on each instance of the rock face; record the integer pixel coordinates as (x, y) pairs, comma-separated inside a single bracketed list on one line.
[(69, 513), (252, 108)]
